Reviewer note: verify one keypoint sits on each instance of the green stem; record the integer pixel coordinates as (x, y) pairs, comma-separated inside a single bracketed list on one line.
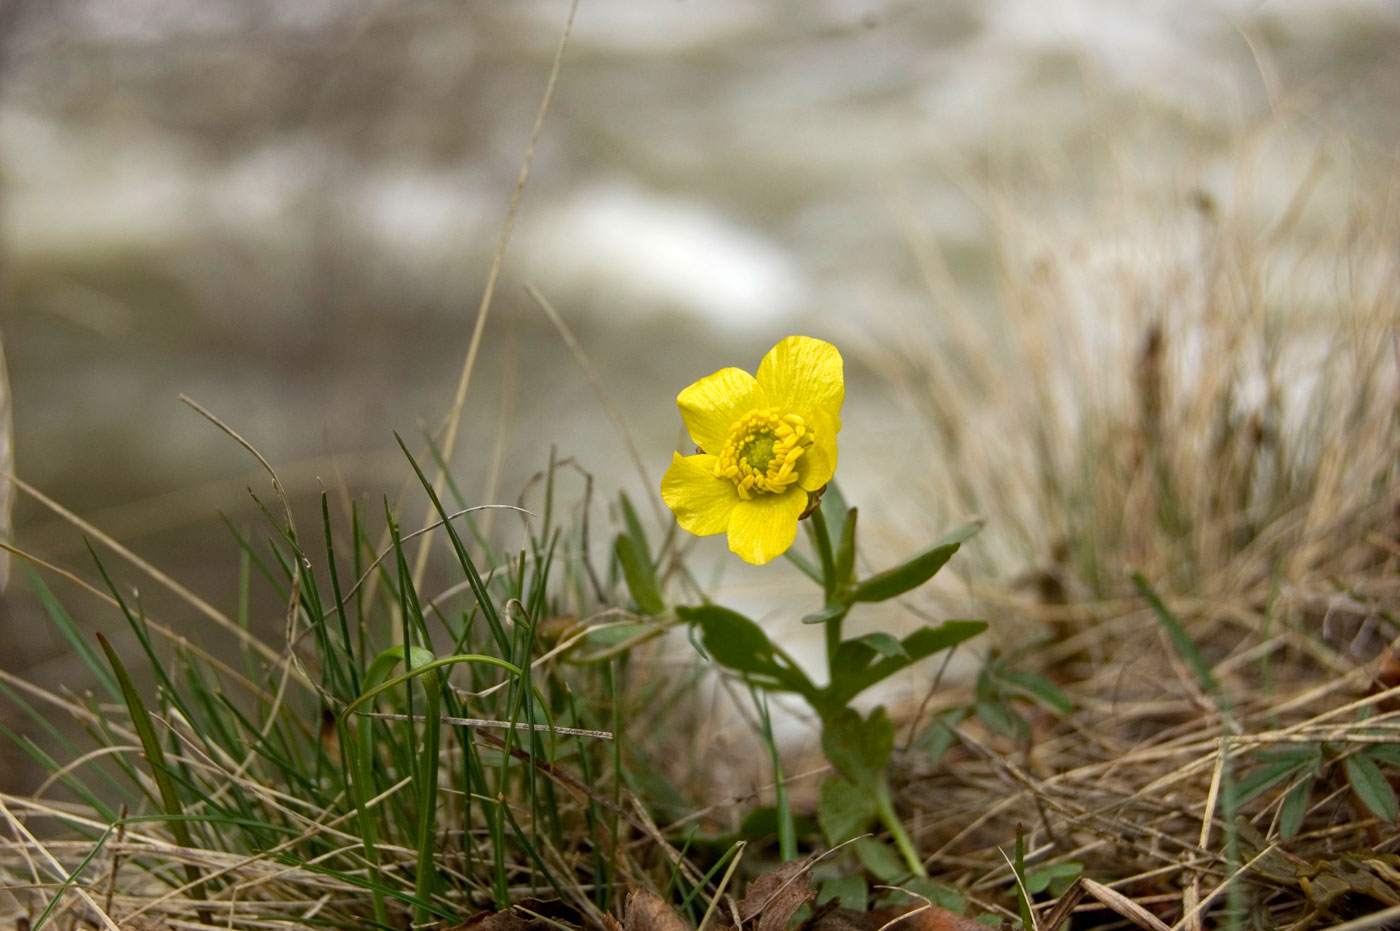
[(362, 765), (822, 539), (787, 834), (885, 806), (427, 804)]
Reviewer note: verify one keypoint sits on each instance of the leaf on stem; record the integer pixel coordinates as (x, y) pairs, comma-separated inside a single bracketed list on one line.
[(1371, 786), (732, 639), (859, 749), (641, 577), (914, 571), (844, 809)]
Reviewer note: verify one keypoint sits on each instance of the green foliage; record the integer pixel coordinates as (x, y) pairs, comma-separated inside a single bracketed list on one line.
[(1053, 877), (1023, 892), (1297, 771), (634, 554), (852, 890), (1371, 786), (155, 755), (844, 809), (859, 748), (930, 891), (915, 571), (376, 724)]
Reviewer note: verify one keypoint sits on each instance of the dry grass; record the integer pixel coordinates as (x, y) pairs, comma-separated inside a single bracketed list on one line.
[(1208, 395)]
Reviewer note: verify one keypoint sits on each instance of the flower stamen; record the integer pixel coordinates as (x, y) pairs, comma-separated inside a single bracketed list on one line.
[(762, 452)]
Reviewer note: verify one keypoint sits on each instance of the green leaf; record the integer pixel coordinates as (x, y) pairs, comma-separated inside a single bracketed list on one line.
[(381, 665), (852, 891), (1179, 637), (844, 809), (850, 665), (1038, 880), (916, 570), (827, 614), (835, 509), (941, 734), (927, 641), (846, 550), (905, 577), (1295, 806), (1038, 688), (804, 564), (1002, 720), (731, 639), (608, 636), (859, 749), (1389, 754), (939, 895), (882, 643), (1266, 777), (155, 756), (635, 532), (855, 677), (877, 857), (641, 577), (1371, 786)]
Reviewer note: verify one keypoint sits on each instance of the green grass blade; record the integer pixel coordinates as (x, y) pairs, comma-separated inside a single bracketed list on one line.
[(155, 756), (1176, 631)]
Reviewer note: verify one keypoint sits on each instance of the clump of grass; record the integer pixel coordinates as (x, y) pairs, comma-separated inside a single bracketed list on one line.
[(1214, 415), (413, 752)]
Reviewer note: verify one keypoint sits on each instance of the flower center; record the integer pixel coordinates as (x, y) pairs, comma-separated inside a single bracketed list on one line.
[(761, 454)]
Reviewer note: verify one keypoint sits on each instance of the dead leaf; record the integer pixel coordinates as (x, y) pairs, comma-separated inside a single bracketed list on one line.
[(832, 917), (920, 918), (492, 921), (775, 897), (647, 912), (889, 918), (1388, 675)]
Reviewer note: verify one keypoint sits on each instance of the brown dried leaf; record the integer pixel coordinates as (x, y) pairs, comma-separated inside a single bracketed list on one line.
[(832, 917), (492, 921), (920, 918), (775, 897), (647, 912), (1388, 675)]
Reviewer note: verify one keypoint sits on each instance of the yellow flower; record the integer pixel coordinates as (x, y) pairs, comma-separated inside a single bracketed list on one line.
[(764, 445)]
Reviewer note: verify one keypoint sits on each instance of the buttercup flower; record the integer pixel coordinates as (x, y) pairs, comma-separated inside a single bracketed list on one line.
[(764, 445)]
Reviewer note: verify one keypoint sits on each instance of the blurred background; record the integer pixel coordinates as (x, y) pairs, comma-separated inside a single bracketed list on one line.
[(288, 212)]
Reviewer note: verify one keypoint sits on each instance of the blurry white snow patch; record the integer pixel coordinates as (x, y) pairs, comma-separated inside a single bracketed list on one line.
[(415, 211), (626, 26), (69, 191), (267, 183), (626, 248)]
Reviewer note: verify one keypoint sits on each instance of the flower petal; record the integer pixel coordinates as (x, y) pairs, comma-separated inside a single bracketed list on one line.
[(819, 461), (804, 375), (765, 525), (703, 502), (711, 405)]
